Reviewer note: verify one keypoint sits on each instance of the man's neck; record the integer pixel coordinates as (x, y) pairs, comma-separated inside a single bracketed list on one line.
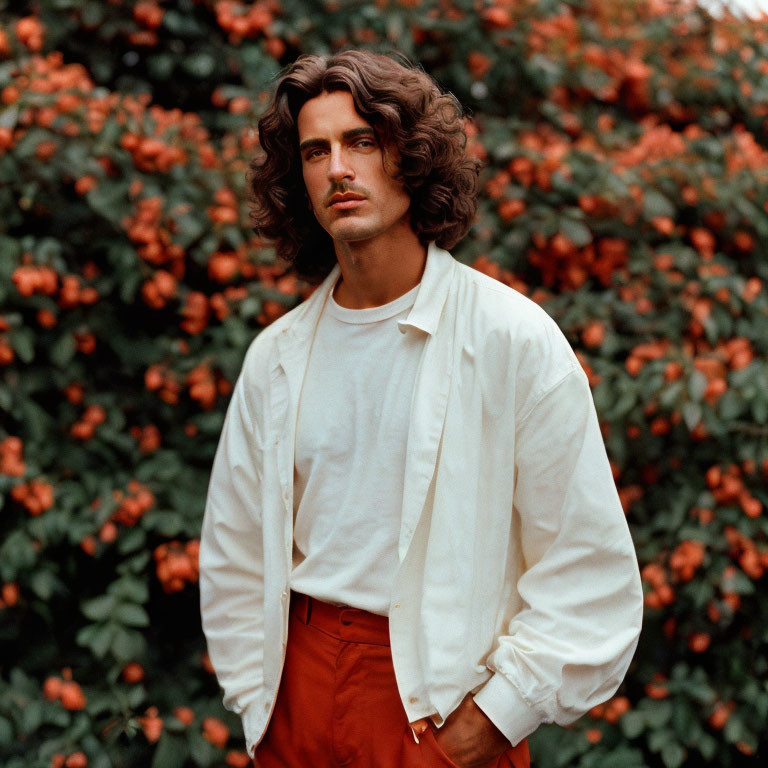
[(378, 271)]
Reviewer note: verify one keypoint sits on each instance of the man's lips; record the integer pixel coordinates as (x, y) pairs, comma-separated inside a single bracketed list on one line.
[(345, 201)]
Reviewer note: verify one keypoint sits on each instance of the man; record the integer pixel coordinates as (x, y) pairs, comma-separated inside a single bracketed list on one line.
[(413, 552)]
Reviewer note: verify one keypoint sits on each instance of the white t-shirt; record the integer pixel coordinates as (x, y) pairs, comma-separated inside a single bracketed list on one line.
[(353, 419)]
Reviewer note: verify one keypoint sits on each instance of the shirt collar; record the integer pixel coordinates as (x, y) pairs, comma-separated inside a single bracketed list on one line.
[(433, 291)]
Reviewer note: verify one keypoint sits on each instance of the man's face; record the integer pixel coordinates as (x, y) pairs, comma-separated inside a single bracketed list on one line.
[(352, 195)]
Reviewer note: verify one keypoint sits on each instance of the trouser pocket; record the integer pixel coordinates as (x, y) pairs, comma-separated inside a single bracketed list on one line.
[(433, 753)]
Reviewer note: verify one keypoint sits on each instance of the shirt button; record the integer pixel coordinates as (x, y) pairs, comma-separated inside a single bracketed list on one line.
[(413, 699), (396, 605), (284, 596)]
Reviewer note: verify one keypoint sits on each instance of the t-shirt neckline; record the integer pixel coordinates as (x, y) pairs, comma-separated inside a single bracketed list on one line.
[(372, 314)]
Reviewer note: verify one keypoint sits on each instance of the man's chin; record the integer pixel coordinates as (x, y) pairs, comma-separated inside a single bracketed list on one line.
[(352, 234)]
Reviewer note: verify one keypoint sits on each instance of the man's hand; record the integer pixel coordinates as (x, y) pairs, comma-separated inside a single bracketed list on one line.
[(468, 736)]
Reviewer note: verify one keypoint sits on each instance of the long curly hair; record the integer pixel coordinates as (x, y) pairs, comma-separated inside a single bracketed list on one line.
[(405, 107)]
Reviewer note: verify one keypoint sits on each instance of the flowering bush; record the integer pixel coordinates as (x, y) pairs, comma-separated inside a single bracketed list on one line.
[(624, 189)]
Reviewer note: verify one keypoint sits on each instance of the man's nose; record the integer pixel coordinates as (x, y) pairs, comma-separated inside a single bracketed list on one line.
[(339, 167)]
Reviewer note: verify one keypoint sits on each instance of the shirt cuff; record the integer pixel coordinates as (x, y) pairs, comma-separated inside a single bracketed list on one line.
[(507, 710)]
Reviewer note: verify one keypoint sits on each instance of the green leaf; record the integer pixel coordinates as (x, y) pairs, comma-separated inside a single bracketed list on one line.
[(579, 234), (730, 406), (161, 66), (136, 564), (110, 200), (92, 14), (691, 414), (127, 644), (738, 582), (131, 540), (9, 115), (101, 761), (657, 713), (132, 615), (189, 228), (670, 395), (31, 717), (165, 522), (170, 752), (6, 394), (17, 553), (38, 422), (734, 729), (673, 755), (658, 739), (23, 342), (655, 204), (63, 350), (6, 732), (632, 724), (130, 588), (43, 583), (136, 696), (759, 410), (200, 65), (205, 753), (97, 637), (697, 384), (99, 608)]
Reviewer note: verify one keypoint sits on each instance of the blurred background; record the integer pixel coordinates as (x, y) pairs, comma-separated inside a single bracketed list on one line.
[(624, 146), (741, 8)]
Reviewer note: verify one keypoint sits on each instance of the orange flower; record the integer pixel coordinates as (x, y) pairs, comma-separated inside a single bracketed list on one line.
[(720, 715), (52, 688), (510, 209), (663, 224), (215, 732), (30, 31), (237, 759), (133, 672), (184, 715), (478, 64), (656, 691), (10, 593), (152, 725), (72, 696), (699, 642)]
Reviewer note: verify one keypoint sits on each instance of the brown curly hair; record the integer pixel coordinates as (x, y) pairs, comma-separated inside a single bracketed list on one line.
[(405, 107)]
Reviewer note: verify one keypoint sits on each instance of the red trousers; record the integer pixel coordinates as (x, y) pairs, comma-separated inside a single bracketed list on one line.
[(338, 705)]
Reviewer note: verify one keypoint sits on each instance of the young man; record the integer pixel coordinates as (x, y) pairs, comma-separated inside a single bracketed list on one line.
[(413, 552)]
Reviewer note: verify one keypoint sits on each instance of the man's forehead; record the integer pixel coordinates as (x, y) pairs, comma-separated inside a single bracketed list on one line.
[(330, 112)]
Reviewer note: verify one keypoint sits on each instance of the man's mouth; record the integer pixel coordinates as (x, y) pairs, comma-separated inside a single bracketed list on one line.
[(344, 201)]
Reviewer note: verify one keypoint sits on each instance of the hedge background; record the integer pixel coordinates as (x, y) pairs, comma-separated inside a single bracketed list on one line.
[(625, 150)]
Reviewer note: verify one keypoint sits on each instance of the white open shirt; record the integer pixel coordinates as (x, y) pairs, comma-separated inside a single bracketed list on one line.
[(517, 576)]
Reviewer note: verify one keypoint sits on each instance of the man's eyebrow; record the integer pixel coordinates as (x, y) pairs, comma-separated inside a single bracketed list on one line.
[(350, 134)]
